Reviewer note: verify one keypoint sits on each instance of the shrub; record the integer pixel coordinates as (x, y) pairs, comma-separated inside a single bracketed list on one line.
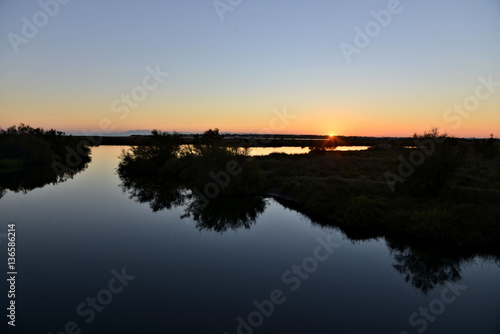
[(486, 148), (35, 146), (163, 158), (430, 178), (150, 157)]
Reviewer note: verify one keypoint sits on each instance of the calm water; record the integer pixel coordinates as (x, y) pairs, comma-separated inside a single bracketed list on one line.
[(195, 276), (298, 150), (254, 151)]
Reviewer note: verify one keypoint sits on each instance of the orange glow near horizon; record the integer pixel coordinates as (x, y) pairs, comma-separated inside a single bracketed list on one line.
[(170, 75), (342, 119), (352, 127)]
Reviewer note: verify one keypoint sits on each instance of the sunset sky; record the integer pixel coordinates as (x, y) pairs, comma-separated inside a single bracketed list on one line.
[(236, 66)]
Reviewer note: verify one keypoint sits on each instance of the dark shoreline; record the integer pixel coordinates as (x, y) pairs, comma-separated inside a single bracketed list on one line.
[(366, 233)]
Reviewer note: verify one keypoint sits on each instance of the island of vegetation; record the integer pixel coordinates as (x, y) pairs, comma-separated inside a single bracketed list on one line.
[(33, 157), (442, 190)]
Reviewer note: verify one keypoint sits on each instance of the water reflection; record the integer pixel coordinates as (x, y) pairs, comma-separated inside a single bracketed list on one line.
[(427, 266), (424, 266), (256, 151), (159, 195), (219, 214), (29, 178)]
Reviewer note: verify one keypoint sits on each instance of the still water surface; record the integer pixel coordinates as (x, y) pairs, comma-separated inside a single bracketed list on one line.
[(189, 277), (298, 150)]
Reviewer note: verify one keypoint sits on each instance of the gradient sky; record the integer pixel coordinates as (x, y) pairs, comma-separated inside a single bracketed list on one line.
[(265, 55)]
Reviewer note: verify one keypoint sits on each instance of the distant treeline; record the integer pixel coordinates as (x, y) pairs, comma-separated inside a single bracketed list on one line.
[(271, 140)]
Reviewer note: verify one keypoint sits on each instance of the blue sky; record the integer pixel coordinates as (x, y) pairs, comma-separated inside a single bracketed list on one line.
[(263, 55)]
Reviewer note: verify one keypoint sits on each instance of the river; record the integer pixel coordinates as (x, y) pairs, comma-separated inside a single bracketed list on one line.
[(95, 256)]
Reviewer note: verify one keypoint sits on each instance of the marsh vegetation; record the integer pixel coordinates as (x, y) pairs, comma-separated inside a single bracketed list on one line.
[(32, 157), (450, 197)]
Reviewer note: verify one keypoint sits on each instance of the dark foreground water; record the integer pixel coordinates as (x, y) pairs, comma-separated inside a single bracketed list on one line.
[(90, 259)]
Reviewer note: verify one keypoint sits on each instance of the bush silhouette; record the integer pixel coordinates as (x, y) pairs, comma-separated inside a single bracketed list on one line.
[(35, 146), (205, 162), (439, 167)]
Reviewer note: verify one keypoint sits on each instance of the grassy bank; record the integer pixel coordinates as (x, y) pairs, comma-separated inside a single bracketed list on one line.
[(450, 196), (348, 189)]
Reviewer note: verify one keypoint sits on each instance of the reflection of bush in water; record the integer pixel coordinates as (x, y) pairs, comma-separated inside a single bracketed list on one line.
[(219, 214), (159, 195), (29, 178), (222, 214), (426, 267), (425, 270)]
